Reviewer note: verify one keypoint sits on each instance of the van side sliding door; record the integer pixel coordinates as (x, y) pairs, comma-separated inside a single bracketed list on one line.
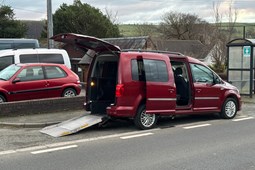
[(160, 87)]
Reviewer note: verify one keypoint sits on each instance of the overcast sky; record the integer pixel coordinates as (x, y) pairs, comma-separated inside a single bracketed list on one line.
[(138, 11)]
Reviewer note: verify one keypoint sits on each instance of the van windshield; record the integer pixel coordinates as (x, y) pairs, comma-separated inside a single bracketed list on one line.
[(8, 72)]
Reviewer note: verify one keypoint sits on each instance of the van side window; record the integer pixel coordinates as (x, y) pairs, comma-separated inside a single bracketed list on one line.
[(51, 58), (28, 58), (137, 70), (24, 45), (4, 46), (201, 74), (18, 43), (6, 61), (155, 70), (54, 72)]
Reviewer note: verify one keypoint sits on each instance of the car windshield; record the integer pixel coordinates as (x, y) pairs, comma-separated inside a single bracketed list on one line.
[(8, 72)]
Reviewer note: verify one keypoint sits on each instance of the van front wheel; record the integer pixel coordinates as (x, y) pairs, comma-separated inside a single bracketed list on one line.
[(229, 109), (143, 120)]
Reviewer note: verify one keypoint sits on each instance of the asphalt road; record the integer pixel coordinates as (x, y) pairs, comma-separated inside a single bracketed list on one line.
[(193, 142)]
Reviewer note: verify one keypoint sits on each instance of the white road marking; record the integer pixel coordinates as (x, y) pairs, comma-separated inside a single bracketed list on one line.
[(136, 136), (240, 119), (196, 126), (73, 142), (54, 149), (240, 116), (7, 152), (31, 148)]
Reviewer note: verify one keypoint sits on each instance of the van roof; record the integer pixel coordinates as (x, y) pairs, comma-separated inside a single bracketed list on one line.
[(171, 54), (18, 39), (153, 51), (31, 49)]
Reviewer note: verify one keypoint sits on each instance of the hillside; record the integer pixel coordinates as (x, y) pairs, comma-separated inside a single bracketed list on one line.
[(132, 30), (129, 30)]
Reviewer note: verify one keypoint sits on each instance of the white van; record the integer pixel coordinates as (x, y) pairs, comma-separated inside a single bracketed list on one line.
[(40, 55)]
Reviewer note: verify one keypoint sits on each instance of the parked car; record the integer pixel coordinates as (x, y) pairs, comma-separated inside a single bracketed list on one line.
[(36, 81), (143, 85), (39, 55)]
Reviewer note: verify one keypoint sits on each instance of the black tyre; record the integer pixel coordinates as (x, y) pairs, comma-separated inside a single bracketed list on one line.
[(69, 92), (143, 120), (229, 109), (2, 99)]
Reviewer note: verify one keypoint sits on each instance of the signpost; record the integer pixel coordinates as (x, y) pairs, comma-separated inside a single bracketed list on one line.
[(246, 51)]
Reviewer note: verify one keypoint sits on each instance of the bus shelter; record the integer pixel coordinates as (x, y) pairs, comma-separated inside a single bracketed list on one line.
[(241, 65)]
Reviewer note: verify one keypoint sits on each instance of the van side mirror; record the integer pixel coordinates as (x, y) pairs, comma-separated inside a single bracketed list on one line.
[(16, 80), (216, 80)]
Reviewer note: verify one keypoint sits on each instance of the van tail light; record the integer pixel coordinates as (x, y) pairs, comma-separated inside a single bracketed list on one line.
[(119, 90)]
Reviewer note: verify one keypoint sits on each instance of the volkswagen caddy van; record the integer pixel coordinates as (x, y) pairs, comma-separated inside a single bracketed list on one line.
[(143, 85)]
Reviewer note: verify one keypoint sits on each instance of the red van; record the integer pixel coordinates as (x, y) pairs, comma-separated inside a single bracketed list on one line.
[(143, 85)]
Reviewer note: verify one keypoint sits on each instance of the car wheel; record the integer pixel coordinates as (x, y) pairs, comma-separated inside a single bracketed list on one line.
[(2, 99), (69, 92), (229, 109), (143, 120)]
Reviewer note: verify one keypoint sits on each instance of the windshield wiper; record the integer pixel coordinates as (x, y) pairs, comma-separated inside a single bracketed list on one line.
[(2, 79)]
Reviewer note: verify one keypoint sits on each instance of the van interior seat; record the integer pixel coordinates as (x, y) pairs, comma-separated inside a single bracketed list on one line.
[(181, 87)]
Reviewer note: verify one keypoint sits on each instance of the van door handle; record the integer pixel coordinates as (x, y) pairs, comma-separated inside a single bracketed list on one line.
[(198, 90)]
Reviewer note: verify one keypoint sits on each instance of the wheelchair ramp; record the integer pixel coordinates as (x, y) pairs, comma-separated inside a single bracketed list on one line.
[(72, 126)]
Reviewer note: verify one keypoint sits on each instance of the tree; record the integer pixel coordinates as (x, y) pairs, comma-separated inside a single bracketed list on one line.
[(184, 27), (250, 32), (44, 31), (221, 36), (82, 18), (10, 28), (145, 29)]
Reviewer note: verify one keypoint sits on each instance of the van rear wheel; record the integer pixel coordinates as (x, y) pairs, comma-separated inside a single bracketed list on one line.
[(145, 121), (229, 109)]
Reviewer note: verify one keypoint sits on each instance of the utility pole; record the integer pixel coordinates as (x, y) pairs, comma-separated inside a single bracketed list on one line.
[(49, 24)]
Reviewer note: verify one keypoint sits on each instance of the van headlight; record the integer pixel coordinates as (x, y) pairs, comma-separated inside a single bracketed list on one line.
[(237, 91)]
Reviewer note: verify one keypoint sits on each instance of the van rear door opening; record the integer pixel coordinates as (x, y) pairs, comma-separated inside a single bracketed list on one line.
[(102, 83)]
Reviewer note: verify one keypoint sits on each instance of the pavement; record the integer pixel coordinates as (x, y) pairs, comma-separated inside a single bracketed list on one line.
[(43, 120), (39, 120)]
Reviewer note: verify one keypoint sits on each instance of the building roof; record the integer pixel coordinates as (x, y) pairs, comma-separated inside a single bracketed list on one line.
[(129, 42)]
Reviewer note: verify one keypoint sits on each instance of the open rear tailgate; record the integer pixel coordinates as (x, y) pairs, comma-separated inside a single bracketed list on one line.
[(84, 41)]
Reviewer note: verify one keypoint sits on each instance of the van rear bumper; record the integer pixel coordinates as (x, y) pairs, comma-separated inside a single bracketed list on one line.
[(120, 111)]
